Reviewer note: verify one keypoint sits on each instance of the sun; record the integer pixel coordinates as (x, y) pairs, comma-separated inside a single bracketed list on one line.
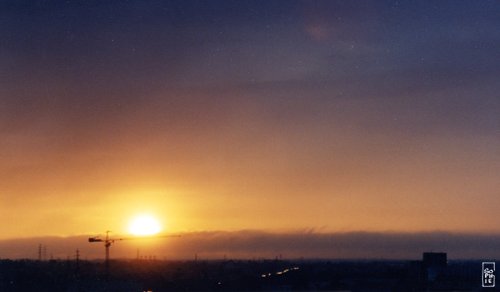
[(143, 225)]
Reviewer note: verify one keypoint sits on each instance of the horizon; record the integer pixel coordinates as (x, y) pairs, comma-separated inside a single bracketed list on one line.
[(255, 244), (276, 117)]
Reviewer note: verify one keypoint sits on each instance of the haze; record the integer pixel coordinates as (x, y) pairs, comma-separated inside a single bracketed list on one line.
[(278, 116)]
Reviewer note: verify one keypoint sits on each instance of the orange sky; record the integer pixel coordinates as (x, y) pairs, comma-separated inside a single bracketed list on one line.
[(218, 121), (245, 174)]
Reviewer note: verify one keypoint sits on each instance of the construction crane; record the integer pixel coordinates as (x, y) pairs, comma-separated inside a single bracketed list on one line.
[(107, 244), (109, 241)]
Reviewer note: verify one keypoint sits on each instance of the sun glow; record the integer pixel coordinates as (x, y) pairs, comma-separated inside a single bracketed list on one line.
[(144, 225)]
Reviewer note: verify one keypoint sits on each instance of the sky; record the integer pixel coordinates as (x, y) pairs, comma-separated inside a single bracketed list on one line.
[(276, 116)]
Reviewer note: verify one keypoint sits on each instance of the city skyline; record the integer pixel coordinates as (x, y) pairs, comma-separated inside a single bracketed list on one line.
[(259, 245)]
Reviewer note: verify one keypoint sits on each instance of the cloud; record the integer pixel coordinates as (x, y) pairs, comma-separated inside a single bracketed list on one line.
[(260, 244)]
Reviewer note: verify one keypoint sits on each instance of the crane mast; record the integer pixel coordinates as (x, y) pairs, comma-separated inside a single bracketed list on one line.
[(107, 244), (109, 241)]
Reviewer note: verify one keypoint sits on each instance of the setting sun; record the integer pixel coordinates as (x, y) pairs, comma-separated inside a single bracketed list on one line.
[(144, 225)]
